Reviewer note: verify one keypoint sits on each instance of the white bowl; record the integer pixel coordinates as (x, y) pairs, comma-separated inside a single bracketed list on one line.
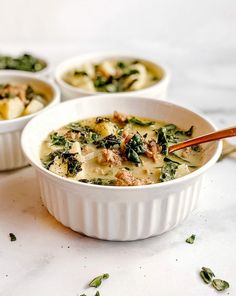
[(11, 155), (110, 212), (158, 90)]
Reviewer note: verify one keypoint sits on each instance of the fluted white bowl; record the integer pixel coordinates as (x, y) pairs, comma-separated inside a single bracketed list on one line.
[(109, 212), (157, 90), (11, 155)]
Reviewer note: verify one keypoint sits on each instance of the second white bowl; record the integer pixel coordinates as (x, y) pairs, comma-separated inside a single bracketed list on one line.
[(11, 155), (158, 90)]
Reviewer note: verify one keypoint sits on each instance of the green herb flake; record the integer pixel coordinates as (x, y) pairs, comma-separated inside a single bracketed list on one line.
[(191, 239), (12, 237), (207, 275), (96, 282), (136, 121), (220, 285), (97, 293)]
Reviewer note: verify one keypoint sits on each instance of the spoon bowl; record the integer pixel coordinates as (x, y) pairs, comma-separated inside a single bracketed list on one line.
[(222, 134)]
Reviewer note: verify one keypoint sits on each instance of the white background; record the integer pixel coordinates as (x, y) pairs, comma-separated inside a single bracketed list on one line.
[(196, 39)]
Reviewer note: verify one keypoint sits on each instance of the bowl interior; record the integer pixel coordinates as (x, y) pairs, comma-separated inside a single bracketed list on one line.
[(37, 84), (76, 62), (37, 130)]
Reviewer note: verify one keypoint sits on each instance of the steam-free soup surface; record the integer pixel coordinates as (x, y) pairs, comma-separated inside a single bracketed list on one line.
[(119, 150), (114, 76)]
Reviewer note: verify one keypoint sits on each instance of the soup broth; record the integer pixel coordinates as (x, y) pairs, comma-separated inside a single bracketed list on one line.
[(119, 150)]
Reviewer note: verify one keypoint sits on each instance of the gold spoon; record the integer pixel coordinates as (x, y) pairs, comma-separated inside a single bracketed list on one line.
[(226, 133)]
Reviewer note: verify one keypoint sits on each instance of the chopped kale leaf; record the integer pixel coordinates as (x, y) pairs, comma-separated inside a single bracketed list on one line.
[(168, 171), (110, 141), (137, 121), (134, 148), (171, 134)]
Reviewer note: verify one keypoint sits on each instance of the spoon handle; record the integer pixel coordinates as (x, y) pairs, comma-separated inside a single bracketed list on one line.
[(230, 132)]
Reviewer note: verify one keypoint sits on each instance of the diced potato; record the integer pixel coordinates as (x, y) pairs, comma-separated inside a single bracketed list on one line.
[(83, 82), (107, 69), (89, 69), (105, 128), (58, 167), (76, 148), (141, 78), (11, 108), (182, 171), (33, 107)]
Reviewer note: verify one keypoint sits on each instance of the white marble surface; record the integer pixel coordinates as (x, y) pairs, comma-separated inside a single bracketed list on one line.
[(198, 42)]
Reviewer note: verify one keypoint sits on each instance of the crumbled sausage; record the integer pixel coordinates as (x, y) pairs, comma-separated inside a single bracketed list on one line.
[(109, 157), (126, 178), (15, 90), (119, 117), (152, 150)]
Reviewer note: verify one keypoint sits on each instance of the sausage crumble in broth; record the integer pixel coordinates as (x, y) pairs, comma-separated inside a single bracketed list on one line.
[(119, 150)]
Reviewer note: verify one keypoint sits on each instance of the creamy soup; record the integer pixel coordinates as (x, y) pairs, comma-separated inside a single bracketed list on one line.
[(114, 76), (119, 150)]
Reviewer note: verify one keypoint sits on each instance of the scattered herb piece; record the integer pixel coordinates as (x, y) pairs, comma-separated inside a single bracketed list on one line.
[(96, 282), (207, 275), (136, 121), (220, 285), (12, 237), (191, 239), (97, 293)]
